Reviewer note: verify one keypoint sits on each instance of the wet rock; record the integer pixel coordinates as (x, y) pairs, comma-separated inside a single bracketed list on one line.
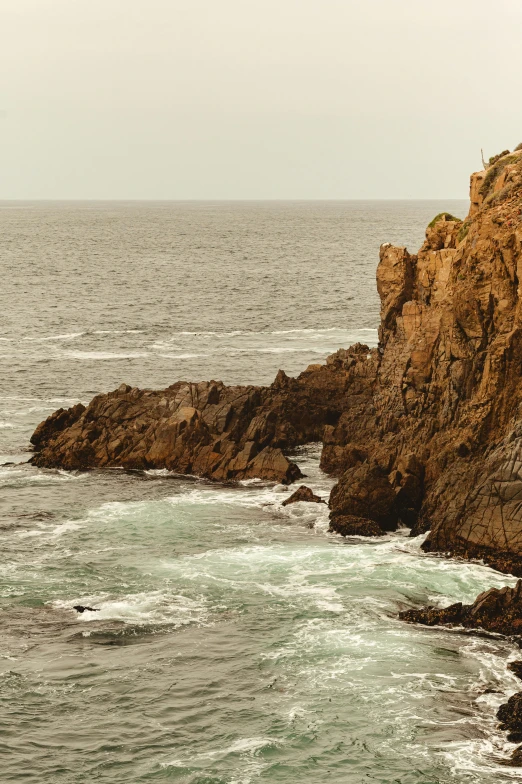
[(225, 433), (510, 716), (350, 525), (366, 493), (495, 610), (516, 668), (453, 615), (303, 493)]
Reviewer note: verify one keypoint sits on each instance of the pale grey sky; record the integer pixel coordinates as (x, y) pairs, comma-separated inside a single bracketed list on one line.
[(255, 99)]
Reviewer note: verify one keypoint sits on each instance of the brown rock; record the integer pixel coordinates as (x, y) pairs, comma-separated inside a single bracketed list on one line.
[(209, 429), (516, 668), (496, 610), (350, 525), (446, 394), (366, 492), (425, 429), (303, 493), (510, 717)]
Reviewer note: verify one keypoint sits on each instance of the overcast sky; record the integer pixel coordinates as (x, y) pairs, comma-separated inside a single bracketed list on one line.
[(255, 99)]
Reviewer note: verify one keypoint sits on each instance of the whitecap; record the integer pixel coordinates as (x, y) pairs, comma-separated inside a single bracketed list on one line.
[(157, 607), (117, 331), (104, 355), (182, 356), (66, 336)]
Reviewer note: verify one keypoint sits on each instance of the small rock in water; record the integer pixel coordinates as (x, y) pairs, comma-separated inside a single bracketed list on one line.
[(516, 668), (303, 493), (351, 525), (80, 608)]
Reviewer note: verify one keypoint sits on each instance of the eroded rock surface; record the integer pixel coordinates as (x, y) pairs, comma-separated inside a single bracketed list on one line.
[(208, 429), (303, 493), (436, 440)]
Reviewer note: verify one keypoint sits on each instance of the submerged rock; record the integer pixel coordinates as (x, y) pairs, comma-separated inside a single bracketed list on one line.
[(303, 493), (496, 610)]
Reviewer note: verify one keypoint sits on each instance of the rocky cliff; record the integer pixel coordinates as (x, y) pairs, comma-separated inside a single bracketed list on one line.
[(425, 430), (443, 428)]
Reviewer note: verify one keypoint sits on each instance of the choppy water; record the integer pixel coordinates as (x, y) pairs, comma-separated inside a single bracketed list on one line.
[(237, 641)]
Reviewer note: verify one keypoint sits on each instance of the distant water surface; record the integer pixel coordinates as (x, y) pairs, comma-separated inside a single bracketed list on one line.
[(237, 641)]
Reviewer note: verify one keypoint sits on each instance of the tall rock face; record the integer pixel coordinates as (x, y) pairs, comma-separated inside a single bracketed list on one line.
[(443, 428)]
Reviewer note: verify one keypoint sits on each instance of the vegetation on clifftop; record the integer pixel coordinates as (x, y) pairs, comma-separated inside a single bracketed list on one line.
[(446, 216)]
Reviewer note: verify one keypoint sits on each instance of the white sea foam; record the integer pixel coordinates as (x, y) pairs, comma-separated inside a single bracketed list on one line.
[(117, 331), (246, 749), (105, 355), (66, 336), (182, 356), (305, 331), (158, 607)]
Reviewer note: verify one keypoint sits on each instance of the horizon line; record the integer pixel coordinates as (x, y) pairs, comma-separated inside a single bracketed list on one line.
[(226, 201)]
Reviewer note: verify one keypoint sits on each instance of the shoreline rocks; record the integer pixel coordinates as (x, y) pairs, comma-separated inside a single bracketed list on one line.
[(224, 433), (303, 493)]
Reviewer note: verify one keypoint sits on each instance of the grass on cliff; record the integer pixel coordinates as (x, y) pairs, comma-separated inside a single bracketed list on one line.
[(494, 171), (463, 231), (446, 216)]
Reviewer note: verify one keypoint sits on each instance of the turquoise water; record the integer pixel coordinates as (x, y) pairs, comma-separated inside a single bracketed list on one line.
[(237, 641)]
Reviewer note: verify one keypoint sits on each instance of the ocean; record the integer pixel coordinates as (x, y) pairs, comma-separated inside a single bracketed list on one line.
[(237, 641)]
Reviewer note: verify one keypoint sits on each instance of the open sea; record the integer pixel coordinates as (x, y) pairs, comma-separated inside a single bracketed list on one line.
[(238, 642)]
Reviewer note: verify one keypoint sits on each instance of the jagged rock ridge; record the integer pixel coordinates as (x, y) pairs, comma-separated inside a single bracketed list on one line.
[(209, 429)]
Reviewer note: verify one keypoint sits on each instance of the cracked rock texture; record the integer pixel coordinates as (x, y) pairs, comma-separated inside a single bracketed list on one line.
[(437, 440), (209, 429)]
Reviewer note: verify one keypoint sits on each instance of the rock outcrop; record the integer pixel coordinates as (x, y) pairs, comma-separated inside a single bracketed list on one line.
[(437, 441), (208, 429), (497, 610), (303, 493), (351, 525)]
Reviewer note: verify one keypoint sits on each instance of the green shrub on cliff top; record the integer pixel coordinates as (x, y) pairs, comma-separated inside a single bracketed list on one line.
[(446, 216), (495, 158), (494, 171)]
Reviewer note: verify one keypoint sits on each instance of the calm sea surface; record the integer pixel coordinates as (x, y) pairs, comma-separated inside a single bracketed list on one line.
[(237, 641)]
